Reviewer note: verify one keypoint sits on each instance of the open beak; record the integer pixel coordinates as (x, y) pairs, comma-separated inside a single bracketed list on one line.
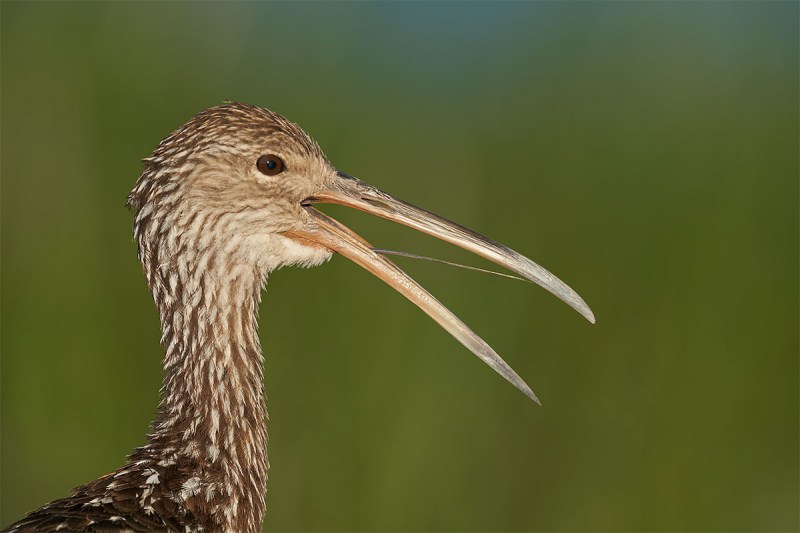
[(327, 232)]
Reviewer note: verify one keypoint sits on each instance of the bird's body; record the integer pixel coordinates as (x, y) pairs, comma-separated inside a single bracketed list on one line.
[(222, 202)]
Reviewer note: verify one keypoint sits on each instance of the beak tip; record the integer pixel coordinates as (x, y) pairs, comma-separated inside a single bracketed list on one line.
[(527, 391), (577, 303)]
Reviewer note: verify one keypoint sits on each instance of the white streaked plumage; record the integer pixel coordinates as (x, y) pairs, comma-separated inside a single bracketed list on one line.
[(212, 220)]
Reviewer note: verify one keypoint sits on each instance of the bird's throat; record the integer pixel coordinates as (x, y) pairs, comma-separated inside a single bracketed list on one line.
[(212, 416)]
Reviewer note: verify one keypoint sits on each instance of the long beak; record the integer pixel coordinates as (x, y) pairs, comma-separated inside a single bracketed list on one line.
[(327, 232)]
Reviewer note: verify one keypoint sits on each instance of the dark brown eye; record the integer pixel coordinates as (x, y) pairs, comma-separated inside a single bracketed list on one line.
[(270, 165)]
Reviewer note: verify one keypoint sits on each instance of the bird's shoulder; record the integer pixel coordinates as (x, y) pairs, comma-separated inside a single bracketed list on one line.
[(131, 499)]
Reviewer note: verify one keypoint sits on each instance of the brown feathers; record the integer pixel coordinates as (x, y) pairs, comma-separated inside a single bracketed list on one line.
[(204, 226)]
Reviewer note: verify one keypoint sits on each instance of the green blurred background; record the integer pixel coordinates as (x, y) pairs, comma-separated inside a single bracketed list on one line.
[(647, 153)]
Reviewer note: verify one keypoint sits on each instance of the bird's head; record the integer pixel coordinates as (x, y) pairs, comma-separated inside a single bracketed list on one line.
[(231, 181), (234, 189)]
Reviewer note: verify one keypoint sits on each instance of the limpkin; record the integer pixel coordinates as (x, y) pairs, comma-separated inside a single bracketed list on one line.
[(222, 202)]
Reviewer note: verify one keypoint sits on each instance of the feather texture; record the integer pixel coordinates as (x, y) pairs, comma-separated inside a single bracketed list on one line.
[(206, 226)]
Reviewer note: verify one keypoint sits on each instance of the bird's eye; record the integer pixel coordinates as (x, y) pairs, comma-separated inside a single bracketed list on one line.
[(270, 165)]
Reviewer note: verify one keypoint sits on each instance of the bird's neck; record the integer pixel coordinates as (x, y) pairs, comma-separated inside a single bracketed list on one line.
[(211, 424)]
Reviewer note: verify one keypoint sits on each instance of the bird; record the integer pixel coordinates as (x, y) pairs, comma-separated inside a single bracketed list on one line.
[(223, 201)]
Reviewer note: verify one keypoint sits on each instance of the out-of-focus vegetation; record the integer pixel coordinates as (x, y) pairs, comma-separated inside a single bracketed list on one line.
[(647, 153)]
